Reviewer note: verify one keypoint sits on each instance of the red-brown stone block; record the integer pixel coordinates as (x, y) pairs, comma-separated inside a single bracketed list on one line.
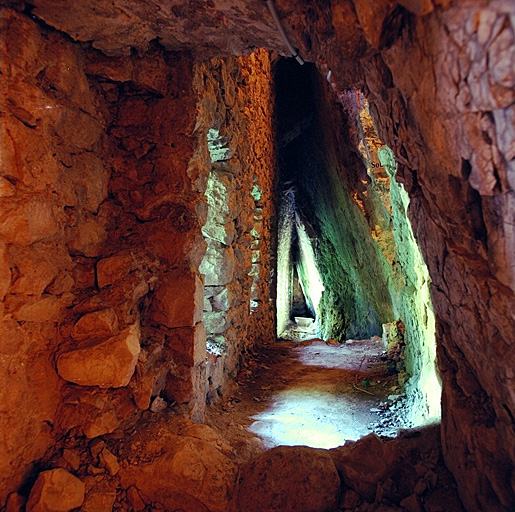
[(179, 299), (188, 345), (106, 364), (56, 490), (96, 325), (113, 269), (185, 385)]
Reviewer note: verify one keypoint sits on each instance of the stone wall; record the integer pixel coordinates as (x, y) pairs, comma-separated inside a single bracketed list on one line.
[(440, 79), (386, 204), (371, 267), (286, 224), (323, 169), (103, 178), (235, 122), (101, 241), (450, 124)]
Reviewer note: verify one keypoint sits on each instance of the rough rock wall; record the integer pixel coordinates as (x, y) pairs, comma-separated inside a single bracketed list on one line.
[(235, 123), (440, 79), (52, 226), (156, 186), (386, 203), (450, 123), (284, 264), (178, 24), (370, 263), (323, 168), (103, 180), (412, 302), (100, 241)]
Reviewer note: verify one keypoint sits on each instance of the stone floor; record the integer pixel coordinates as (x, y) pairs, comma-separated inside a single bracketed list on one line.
[(310, 393), (314, 394)]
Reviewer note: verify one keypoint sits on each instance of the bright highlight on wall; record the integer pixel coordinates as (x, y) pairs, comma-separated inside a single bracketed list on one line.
[(292, 230), (309, 276), (414, 306), (410, 294)]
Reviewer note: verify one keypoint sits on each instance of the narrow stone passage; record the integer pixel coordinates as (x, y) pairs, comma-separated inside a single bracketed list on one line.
[(308, 393)]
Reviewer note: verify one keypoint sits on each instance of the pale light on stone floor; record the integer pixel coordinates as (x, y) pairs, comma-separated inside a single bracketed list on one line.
[(321, 406)]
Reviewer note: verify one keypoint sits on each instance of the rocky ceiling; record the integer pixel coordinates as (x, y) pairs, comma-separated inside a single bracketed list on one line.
[(222, 26), (212, 27)]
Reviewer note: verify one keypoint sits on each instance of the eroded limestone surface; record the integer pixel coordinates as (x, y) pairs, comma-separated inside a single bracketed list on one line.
[(105, 165), (101, 160)]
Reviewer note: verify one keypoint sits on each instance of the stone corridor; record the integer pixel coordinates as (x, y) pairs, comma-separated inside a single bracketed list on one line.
[(176, 188)]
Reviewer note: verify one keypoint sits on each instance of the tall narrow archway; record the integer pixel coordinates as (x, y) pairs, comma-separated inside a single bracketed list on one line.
[(344, 233)]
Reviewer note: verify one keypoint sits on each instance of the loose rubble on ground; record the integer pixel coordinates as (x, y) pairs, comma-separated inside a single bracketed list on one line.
[(166, 462)]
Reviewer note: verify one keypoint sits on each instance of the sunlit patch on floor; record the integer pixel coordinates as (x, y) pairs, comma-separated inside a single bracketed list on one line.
[(321, 405), (310, 417)]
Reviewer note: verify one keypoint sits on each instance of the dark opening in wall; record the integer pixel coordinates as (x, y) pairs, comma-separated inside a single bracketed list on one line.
[(295, 109), (345, 243)]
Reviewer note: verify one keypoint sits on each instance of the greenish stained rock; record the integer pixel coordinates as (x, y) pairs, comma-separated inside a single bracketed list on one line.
[(218, 264), (412, 302), (215, 322), (355, 273), (221, 301), (207, 305), (256, 192), (217, 145)]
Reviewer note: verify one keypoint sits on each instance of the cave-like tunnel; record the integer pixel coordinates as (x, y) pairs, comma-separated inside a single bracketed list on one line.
[(346, 253), (183, 182)]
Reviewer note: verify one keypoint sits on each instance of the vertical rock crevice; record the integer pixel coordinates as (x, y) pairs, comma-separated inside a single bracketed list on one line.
[(339, 176)]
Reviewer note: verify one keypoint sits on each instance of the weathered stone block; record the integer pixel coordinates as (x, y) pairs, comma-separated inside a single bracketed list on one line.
[(135, 499), (207, 304), (104, 422), (363, 464), (36, 270), (88, 238), (30, 221), (179, 299), (109, 461), (188, 345), (148, 383), (215, 372), (56, 490), (49, 308), (218, 264), (186, 384), (99, 501), (188, 472), (90, 180), (223, 233), (235, 294), (96, 325), (15, 502), (215, 322), (113, 269), (289, 479), (221, 197), (221, 300), (106, 364)]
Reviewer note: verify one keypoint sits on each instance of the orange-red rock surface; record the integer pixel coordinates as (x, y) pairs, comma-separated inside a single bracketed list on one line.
[(105, 162), (100, 160)]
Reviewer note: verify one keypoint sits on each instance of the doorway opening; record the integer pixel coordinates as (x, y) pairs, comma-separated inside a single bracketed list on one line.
[(349, 269)]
